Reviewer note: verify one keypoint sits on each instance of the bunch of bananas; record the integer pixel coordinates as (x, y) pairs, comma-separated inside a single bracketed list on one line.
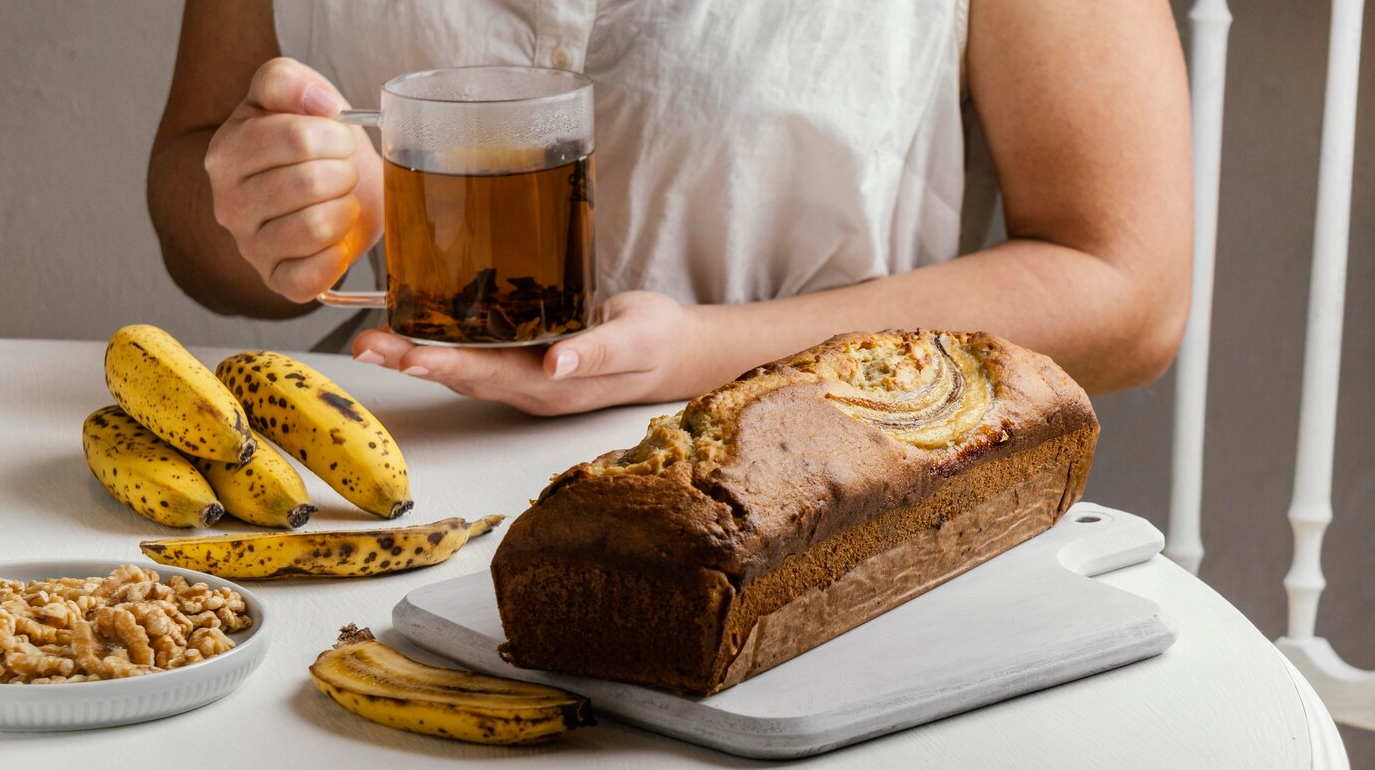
[(376, 682), (183, 445)]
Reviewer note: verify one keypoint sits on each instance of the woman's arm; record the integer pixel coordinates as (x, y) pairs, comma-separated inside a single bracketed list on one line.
[(222, 45), (259, 200), (1085, 106)]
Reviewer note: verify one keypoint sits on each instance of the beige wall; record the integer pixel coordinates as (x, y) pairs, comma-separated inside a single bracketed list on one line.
[(83, 85)]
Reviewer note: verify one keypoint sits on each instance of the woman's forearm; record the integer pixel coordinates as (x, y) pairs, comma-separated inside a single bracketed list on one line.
[(201, 256), (1102, 324)]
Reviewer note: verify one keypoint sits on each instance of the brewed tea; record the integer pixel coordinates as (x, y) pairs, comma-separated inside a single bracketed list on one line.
[(489, 258)]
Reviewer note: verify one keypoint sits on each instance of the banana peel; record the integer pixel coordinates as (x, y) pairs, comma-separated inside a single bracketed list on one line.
[(343, 553), (378, 683)]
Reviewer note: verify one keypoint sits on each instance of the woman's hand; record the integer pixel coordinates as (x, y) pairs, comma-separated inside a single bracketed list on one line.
[(646, 349), (300, 192)]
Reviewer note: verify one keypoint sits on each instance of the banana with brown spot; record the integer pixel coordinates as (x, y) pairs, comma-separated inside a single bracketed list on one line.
[(157, 382), (325, 428), (145, 473), (266, 490), (346, 553), (378, 683)]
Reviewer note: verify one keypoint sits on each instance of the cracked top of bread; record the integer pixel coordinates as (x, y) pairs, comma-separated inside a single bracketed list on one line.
[(797, 450)]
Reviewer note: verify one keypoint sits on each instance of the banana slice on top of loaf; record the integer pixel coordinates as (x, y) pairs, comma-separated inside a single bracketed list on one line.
[(780, 510)]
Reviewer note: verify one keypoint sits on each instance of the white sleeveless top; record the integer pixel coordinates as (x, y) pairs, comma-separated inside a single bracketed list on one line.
[(746, 150)]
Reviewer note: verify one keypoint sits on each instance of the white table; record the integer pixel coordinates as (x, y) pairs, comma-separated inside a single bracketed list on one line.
[(1221, 697)]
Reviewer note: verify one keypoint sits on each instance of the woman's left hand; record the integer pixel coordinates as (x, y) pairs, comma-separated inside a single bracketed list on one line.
[(639, 353)]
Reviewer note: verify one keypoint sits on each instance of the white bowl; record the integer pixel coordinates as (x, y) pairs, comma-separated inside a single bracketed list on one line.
[(83, 705)]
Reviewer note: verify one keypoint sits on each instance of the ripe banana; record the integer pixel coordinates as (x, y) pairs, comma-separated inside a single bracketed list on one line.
[(321, 425), (344, 553), (145, 473), (378, 683), (266, 490), (157, 382)]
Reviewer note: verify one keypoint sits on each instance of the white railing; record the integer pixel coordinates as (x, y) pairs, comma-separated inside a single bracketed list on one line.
[(1348, 692), (1210, 21)]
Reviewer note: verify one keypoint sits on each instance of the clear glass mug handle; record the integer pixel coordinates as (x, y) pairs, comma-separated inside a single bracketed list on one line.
[(355, 298)]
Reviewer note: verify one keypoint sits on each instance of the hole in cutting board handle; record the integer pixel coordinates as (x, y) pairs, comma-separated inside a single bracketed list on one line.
[(1088, 519)]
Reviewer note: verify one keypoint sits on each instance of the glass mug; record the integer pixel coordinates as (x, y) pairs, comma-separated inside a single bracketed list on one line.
[(488, 199)]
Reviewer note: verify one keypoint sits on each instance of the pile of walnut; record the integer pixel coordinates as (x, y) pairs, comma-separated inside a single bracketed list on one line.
[(127, 624)]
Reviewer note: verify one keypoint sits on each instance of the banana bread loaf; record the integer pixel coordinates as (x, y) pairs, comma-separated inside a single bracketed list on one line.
[(785, 508)]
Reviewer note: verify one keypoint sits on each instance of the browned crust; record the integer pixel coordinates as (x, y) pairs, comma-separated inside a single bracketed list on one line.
[(800, 471), (692, 544), (692, 631)]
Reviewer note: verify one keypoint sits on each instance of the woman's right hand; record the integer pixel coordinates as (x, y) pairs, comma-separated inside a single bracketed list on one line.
[(300, 192)]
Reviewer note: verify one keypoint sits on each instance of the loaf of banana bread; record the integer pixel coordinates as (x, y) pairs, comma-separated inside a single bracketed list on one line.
[(785, 508)]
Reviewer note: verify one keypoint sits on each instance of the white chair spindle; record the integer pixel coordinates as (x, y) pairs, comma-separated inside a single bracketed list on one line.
[(1348, 692), (1210, 22)]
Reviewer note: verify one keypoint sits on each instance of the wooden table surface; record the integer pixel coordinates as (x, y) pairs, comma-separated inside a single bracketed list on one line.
[(1221, 697)]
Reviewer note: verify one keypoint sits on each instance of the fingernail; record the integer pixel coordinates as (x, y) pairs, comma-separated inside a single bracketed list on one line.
[(370, 357), (318, 101), (417, 371), (565, 364)]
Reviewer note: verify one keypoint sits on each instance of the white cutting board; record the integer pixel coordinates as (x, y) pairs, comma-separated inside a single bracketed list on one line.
[(1028, 619)]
